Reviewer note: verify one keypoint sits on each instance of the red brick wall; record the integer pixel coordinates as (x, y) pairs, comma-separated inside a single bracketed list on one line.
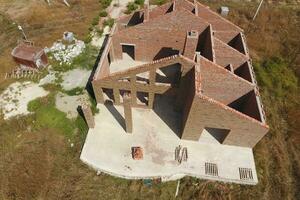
[(226, 55), (206, 113), (169, 31), (221, 84)]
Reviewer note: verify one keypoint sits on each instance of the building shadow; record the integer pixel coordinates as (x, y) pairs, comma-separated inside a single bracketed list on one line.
[(164, 107), (112, 109), (88, 86)]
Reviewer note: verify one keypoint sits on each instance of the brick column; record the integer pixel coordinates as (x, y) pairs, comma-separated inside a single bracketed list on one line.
[(133, 89), (88, 115), (116, 96), (151, 83), (98, 93), (127, 112)]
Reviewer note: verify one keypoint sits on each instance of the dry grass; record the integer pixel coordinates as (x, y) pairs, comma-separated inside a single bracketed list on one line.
[(43, 24)]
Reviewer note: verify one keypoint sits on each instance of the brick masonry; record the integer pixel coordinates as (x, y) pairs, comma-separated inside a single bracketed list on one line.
[(214, 86)]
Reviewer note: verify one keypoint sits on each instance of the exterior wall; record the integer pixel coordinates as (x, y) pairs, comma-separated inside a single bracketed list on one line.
[(221, 84), (169, 31), (205, 112)]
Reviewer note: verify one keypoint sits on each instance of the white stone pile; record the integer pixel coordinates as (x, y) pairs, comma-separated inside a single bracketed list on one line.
[(65, 53)]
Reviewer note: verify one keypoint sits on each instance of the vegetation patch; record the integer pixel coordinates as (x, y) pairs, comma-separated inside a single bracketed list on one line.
[(47, 116)]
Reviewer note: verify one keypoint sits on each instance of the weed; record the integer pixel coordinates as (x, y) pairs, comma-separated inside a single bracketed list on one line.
[(109, 22), (105, 3), (139, 2), (103, 13), (131, 6)]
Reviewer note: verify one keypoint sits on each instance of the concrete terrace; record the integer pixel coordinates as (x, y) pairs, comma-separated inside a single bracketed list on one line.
[(108, 148)]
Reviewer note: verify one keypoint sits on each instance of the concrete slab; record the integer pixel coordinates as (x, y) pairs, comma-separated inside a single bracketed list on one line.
[(108, 149), (69, 104), (75, 78), (14, 100), (126, 63)]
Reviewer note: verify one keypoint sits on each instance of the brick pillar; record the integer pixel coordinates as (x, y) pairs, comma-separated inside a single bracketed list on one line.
[(127, 112), (116, 96), (88, 115), (98, 92)]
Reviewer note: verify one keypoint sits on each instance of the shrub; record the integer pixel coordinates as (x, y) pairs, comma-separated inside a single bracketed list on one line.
[(95, 21), (105, 3), (139, 2), (109, 22), (103, 13), (131, 6)]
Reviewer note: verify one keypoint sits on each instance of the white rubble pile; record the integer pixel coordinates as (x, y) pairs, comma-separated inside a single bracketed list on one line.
[(66, 53)]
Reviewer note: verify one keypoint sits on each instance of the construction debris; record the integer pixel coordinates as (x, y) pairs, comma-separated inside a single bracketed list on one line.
[(66, 53), (68, 36), (28, 56), (22, 73), (224, 11), (137, 153)]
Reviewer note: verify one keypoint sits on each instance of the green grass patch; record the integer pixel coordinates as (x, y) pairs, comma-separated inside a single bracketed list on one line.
[(47, 116), (275, 76), (87, 59), (73, 92)]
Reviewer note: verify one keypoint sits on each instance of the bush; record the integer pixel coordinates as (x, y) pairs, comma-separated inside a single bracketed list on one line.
[(103, 13), (139, 2), (95, 21), (105, 3), (109, 22), (131, 6)]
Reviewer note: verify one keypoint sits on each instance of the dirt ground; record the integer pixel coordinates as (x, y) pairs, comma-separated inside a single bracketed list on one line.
[(39, 163), (43, 24)]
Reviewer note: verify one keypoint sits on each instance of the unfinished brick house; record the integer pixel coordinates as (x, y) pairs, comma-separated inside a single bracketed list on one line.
[(186, 51)]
